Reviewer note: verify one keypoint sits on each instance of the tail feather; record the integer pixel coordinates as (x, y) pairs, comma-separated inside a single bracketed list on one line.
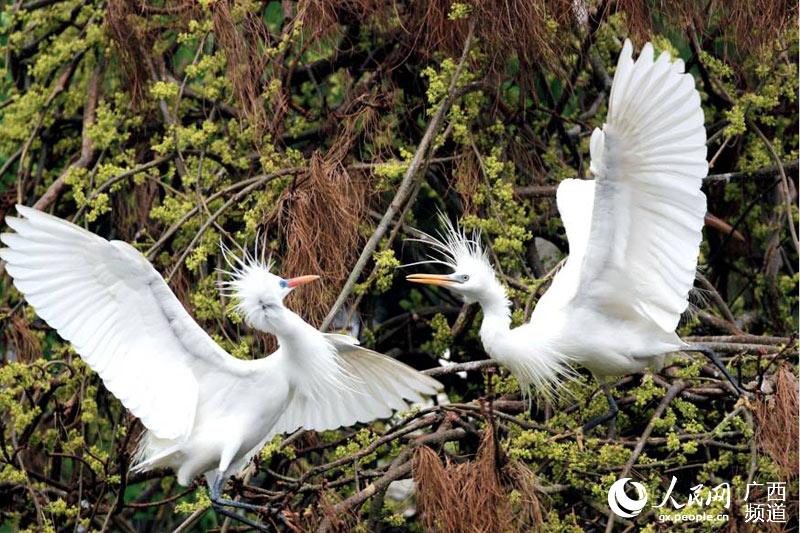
[(152, 452)]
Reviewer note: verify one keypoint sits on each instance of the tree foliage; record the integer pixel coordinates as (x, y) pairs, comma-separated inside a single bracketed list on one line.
[(332, 132)]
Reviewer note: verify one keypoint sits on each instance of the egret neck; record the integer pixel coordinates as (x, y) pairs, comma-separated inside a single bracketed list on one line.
[(496, 315), (317, 366)]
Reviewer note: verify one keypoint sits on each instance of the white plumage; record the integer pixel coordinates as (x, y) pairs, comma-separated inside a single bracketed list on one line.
[(205, 411), (634, 234)]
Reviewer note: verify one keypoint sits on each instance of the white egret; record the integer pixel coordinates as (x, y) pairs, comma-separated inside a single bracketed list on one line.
[(634, 234), (205, 411)]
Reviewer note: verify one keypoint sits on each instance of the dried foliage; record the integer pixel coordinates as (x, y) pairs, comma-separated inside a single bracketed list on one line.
[(475, 495), (777, 417), (750, 25), (536, 31), (324, 18), (21, 340), (467, 176), (125, 24), (243, 37), (319, 216)]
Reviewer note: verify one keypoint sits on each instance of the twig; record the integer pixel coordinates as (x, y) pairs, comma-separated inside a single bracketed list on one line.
[(718, 322), (744, 339), (119, 177), (402, 467), (418, 424), (670, 395), (59, 87), (459, 367), (785, 191), (546, 191), (717, 298), (87, 145), (10, 161), (189, 522), (535, 191), (764, 172), (233, 199), (137, 505), (736, 347), (189, 214)]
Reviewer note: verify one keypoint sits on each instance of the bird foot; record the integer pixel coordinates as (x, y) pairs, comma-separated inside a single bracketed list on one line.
[(220, 505), (714, 358), (219, 508)]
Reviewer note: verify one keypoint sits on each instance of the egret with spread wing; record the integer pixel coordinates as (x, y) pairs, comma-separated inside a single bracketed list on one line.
[(634, 234), (205, 411)]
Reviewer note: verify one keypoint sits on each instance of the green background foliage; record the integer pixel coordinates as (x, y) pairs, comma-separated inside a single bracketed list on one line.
[(175, 125)]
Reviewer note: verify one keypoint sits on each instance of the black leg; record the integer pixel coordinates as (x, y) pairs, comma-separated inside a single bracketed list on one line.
[(612, 403), (219, 509), (219, 504), (611, 415), (712, 356)]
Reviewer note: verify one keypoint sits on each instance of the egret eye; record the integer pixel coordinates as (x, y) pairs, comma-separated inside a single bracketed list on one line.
[(284, 284), (464, 278)]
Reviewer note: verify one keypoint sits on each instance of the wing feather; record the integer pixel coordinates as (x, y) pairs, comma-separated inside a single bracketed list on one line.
[(107, 300), (634, 231), (647, 214), (376, 385)]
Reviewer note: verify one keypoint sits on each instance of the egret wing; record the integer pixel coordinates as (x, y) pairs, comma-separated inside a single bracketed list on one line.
[(108, 301), (649, 161), (373, 386), (575, 199)]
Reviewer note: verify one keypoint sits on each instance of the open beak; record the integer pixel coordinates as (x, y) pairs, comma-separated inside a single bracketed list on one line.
[(300, 280), (430, 279)]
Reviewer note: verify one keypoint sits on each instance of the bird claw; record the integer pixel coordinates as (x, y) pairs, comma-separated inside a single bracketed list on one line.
[(219, 508), (221, 504), (714, 358)]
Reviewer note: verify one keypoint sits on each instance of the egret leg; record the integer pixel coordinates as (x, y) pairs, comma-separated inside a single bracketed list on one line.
[(241, 518), (714, 358), (219, 503), (610, 415)]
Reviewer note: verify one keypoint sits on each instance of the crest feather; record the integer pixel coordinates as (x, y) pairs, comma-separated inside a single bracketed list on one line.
[(240, 269), (452, 246)]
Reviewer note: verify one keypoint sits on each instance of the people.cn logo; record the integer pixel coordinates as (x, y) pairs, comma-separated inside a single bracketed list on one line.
[(623, 505)]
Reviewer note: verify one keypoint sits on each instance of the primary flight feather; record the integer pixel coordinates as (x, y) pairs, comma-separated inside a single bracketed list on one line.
[(634, 234), (205, 411)]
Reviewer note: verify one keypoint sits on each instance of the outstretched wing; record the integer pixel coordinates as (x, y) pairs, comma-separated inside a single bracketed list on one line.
[(376, 385), (647, 217), (634, 232), (369, 386), (575, 200), (121, 317)]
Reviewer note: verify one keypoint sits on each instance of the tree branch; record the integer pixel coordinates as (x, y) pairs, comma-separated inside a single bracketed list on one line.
[(405, 189), (87, 145), (672, 392)]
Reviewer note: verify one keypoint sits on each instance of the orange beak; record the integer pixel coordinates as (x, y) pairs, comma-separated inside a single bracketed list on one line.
[(430, 279), (300, 280)]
